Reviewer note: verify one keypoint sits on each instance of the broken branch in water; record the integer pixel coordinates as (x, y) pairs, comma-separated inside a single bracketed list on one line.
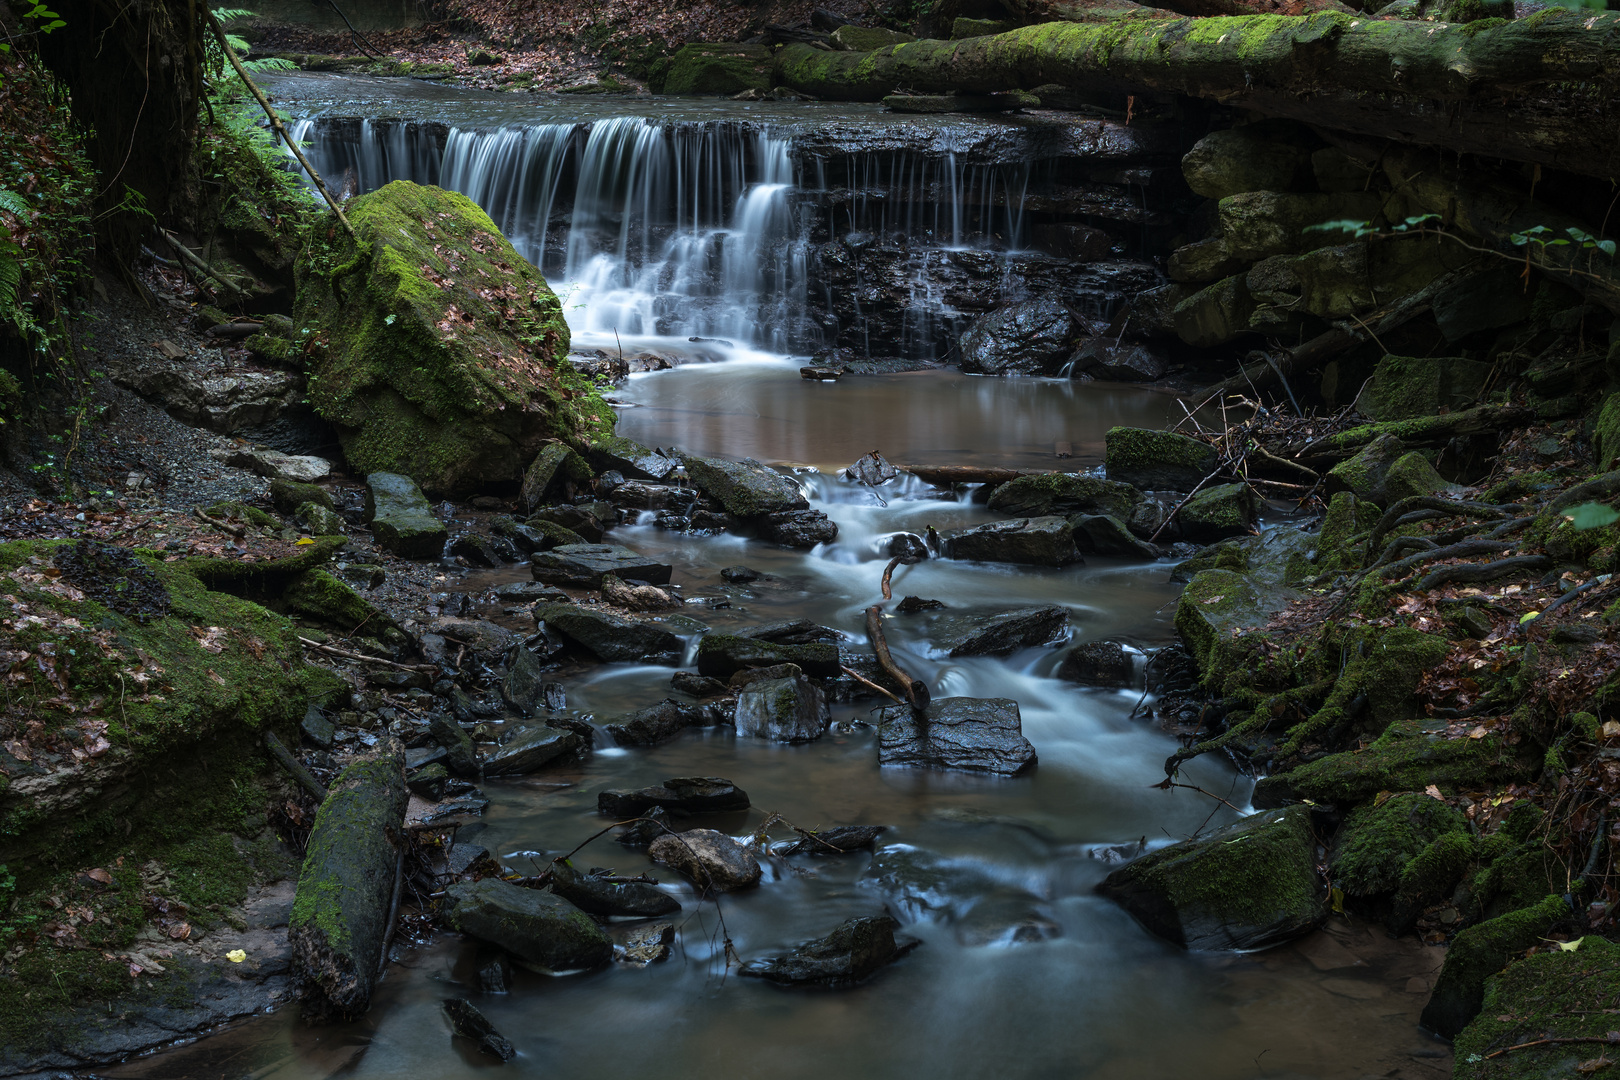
[(888, 571), (916, 689), (870, 685)]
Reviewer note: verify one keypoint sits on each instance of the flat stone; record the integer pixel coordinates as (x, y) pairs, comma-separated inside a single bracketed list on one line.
[(534, 925), (400, 517), (997, 635), (968, 734), (681, 795), (530, 749), (609, 637), (851, 953), (709, 859), (1034, 541), (745, 489), (584, 565)]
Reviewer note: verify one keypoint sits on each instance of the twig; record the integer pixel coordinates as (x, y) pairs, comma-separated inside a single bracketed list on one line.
[(350, 655), (237, 531), (1169, 783), (393, 907), (887, 571), (283, 756), (208, 272), (275, 122), (916, 689), (1609, 1040), (869, 684), (1165, 524)]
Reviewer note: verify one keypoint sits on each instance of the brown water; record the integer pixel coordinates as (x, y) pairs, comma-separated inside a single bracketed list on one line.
[(1023, 971)]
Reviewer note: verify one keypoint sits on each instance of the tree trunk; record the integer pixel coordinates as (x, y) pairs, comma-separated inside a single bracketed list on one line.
[(134, 71), (1538, 89), (340, 911)]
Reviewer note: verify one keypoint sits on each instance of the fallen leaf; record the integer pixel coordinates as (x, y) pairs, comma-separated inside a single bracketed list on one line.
[(1215, 599), (236, 956), (1433, 792), (1596, 1064), (1479, 732), (179, 931), (100, 875), (1611, 728)]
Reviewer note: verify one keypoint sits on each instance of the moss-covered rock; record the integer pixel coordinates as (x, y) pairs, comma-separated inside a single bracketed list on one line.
[(537, 927), (1217, 602), (1481, 951), (287, 495), (1246, 886), (1403, 853), (551, 471), (1258, 224), (401, 518), (1215, 314), (1262, 157), (1064, 493), (852, 38), (1606, 433), (1363, 475), (1216, 513), (1156, 460), (321, 520), (1407, 387), (1035, 541), (438, 351), (1563, 994), (1410, 475), (326, 599), (719, 68), (746, 489)]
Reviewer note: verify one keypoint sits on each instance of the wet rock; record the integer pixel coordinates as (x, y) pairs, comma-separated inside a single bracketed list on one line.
[(1032, 337), (460, 806), (1157, 460), (487, 641), (739, 575), (1113, 360), (913, 604), (1110, 664), (480, 550), (529, 592), (1257, 158), (420, 757), (1078, 243), (549, 474), (428, 781), (998, 635), (460, 753), (524, 687), (799, 528), (609, 637), (649, 944), (401, 518), (637, 597), (724, 67), (317, 729), (873, 470), (720, 656), (698, 686), (576, 519), (908, 547), (710, 860), (1033, 541), (635, 495), (850, 954), (784, 710), (599, 894), (836, 841), (968, 734), (320, 520), (1217, 602), (584, 565), (494, 972), (1063, 494), (753, 675), (656, 723), (1246, 886), (744, 489), (1105, 535), (1219, 512), (687, 795), (653, 824), (537, 927), (792, 632), (631, 459), (529, 749), (1406, 387), (467, 1022)]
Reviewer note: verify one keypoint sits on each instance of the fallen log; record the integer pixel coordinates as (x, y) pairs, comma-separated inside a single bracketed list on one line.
[(1427, 430), (284, 757), (916, 689), (1536, 89), (340, 910)]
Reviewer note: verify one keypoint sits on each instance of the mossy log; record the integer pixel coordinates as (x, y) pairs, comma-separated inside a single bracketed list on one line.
[(340, 913), (1535, 89)]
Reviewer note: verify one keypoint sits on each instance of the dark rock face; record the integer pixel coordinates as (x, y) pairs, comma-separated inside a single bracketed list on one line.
[(1035, 337), (710, 860), (680, 795), (608, 637), (1099, 663), (698, 686), (1246, 886), (722, 655), (530, 749), (792, 632), (657, 723), (745, 489), (400, 517), (799, 528), (837, 841), (1063, 494), (908, 546), (550, 474), (467, 1022), (784, 710), (997, 635), (460, 755), (1106, 535), (576, 519), (535, 926), (967, 734), (631, 459), (597, 894), (739, 575), (584, 565), (1035, 541), (1115, 361), (851, 953)]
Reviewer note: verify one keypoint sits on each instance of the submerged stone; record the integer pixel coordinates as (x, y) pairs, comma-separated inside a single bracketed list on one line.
[(584, 565), (1246, 886), (687, 795), (533, 925), (854, 951), (966, 734), (467, 1022)]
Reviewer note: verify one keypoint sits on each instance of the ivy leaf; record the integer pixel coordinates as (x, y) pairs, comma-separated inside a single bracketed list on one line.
[(1591, 515)]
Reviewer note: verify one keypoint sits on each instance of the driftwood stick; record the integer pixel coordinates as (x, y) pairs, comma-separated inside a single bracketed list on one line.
[(237, 531), (888, 571), (916, 689), (285, 759), (393, 907), (870, 685), (275, 122), (349, 654)]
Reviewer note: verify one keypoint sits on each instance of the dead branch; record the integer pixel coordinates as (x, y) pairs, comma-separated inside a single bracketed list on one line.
[(916, 689)]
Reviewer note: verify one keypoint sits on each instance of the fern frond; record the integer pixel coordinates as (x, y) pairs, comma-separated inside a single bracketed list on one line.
[(13, 202), (270, 63)]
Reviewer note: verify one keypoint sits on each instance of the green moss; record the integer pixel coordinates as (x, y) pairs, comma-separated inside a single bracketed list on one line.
[(288, 495), (1561, 994), (718, 68), (1481, 951), (1606, 434), (1377, 844), (555, 534), (320, 596)]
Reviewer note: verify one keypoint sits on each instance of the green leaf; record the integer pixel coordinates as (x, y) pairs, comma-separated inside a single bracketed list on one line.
[(1342, 225), (1529, 616), (1591, 515), (1606, 246)]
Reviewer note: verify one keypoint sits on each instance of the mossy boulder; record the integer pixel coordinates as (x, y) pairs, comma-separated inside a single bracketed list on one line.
[(1156, 460), (318, 595), (1363, 475), (1033, 541), (1411, 474), (438, 351), (321, 520), (288, 495), (630, 458), (1215, 314), (1216, 513), (1606, 433), (1064, 493), (538, 928), (1563, 994), (1256, 158), (1481, 951), (1259, 224), (1407, 387), (1406, 757), (1217, 602), (401, 518), (1408, 851), (746, 489), (549, 474), (719, 68), (852, 38), (1246, 886)]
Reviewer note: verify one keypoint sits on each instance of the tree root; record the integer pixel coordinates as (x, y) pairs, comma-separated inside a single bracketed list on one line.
[(1455, 551), (1398, 514), (1468, 573)]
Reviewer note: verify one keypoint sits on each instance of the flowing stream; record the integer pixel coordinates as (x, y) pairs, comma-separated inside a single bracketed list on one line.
[(1023, 971)]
